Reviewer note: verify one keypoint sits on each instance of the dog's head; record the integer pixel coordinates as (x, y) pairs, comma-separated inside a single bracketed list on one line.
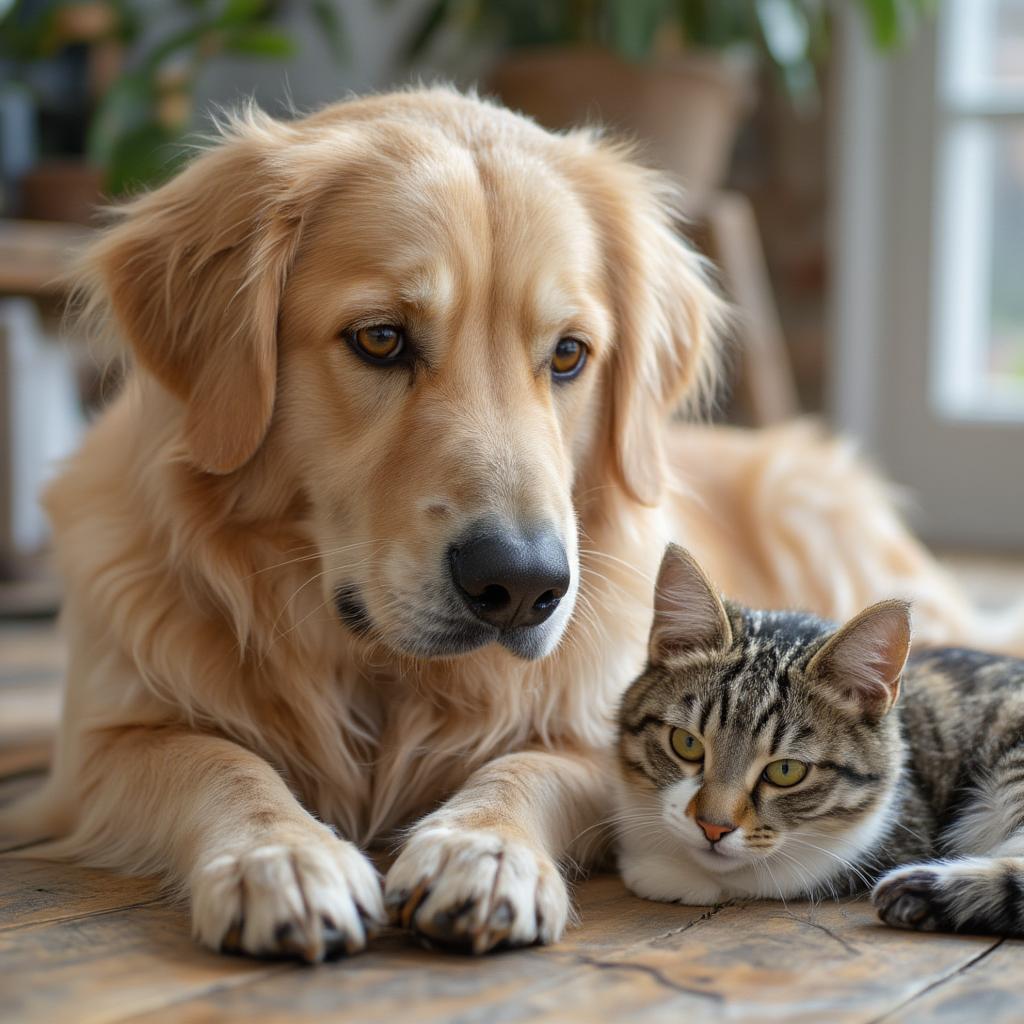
[(447, 323)]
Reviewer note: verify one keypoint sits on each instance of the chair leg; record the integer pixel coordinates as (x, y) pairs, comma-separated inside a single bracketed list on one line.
[(766, 386)]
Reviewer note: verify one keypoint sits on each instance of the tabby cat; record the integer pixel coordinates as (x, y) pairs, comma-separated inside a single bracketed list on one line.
[(763, 754)]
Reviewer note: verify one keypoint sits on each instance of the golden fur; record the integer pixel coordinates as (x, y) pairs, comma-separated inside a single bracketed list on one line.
[(217, 711)]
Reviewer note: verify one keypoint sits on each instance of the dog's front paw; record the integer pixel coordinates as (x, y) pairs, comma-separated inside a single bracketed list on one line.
[(311, 899), (912, 898), (476, 890)]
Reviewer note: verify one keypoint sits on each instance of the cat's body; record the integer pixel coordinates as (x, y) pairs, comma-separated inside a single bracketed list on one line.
[(924, 797)]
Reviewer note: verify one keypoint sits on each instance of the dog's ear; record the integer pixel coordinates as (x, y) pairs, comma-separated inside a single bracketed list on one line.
[(193, 273), (667, 315)]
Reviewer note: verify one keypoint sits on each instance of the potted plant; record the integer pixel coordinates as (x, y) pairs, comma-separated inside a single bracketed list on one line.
[(120, 76), (676, 74)]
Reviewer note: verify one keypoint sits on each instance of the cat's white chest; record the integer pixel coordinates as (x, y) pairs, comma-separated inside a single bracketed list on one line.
[(661, 876)]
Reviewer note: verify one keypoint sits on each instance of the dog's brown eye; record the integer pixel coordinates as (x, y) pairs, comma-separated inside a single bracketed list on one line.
[(379, 342), (570, 355)]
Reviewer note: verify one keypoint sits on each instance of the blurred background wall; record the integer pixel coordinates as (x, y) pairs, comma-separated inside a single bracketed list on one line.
[(855, 168)]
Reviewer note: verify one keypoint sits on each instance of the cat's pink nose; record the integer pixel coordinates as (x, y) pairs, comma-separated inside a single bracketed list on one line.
[(714, 832)]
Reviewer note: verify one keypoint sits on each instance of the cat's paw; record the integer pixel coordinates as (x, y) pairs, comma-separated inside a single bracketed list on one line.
[(476, 890), (311, 900), (913, 898)]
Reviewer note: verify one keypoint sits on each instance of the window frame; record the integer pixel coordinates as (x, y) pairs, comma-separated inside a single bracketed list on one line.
[(964, 473)]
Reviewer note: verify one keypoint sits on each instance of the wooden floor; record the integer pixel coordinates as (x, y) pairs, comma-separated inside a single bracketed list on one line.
[(89, 947)]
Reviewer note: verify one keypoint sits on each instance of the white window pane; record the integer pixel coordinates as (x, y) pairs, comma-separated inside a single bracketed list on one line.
[(1008, 56), (979, 369), (984, 59)]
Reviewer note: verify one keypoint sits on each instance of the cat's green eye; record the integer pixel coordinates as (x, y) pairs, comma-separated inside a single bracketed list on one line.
[(785, 772), (686, 745)]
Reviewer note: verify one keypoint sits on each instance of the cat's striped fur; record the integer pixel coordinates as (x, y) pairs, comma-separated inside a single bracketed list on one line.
[(921, 798)]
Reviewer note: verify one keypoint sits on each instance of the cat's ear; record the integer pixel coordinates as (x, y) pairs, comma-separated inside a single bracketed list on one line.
[(688, 613), (863, 663)]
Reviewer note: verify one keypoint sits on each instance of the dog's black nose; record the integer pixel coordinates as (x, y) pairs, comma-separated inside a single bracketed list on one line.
[(511, 579)]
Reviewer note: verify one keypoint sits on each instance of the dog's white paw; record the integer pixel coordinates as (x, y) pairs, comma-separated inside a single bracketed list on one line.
[(313, 900), (476, 890)]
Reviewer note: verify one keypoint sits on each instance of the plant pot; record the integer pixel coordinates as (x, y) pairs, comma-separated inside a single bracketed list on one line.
[(684, 110), (64, 190)]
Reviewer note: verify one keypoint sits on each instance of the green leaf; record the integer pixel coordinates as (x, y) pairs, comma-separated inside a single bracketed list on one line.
[(884, 21), (243, 12), (260, 42), (433, 18), (525, 24), (129, 21), (143, 158), (632, 26), (182, 40), (329, 19), (127, 104), (26, 33)]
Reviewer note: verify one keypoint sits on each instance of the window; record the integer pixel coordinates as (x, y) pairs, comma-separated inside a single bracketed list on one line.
[(979, 369), (928, 365)]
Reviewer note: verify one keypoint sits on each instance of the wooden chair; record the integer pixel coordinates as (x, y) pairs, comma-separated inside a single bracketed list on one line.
[(725, 229)]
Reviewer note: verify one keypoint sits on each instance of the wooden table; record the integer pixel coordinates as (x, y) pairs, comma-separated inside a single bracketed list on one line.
[(88, 947), (35, 256)]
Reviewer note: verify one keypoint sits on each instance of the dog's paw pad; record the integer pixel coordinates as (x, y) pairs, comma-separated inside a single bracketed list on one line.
[(476, 891), (310, 901)]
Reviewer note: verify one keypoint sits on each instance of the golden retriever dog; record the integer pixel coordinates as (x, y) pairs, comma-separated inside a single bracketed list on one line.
[(364, 549)]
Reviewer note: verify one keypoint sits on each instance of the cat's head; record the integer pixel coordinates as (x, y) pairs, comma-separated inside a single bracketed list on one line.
[(759, 734)]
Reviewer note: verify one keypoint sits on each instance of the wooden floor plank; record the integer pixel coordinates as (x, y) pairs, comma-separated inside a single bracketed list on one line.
[(36, 892), (988, 990), (91, 947), (107, 967), (631, 960), (763, 962)]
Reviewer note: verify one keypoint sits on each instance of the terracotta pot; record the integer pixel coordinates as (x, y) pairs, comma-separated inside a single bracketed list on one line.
[(685, 110), (64, 190)]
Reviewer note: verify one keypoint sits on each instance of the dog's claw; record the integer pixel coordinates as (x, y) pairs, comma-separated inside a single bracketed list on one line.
[(277, 901), (412, 903), (232, 940), (475, 891)]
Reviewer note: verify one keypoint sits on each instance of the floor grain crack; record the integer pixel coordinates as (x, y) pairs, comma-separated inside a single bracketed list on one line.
[(938, 983), (706, 916), (85, 915), (651, 972), (845, 943)]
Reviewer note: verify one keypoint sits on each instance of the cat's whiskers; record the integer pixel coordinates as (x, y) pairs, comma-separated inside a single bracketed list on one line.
[(616, 824), (869, 859), (807, 880), (917, 835), (771, 875), (848, 864)]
